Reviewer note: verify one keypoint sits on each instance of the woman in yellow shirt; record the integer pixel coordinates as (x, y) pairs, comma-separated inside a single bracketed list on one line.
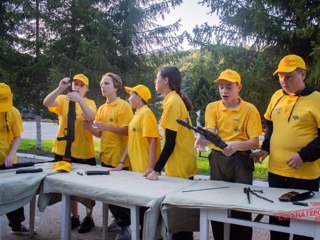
[(178, 155)]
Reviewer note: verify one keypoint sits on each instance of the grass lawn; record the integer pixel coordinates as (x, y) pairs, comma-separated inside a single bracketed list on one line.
[(29, 146)]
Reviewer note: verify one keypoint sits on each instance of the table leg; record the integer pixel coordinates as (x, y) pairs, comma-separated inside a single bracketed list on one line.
[(32, 211), (65, 221), (204, 224), (1, 221), (317, 230), (105, 209), (135, 223), (226, 231)]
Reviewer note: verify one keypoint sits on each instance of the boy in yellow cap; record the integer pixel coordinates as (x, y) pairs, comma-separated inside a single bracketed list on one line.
[(10, 136), (292, 138), (143, 133), (82, 150), (111, 125), (143, 138), (238, 123)]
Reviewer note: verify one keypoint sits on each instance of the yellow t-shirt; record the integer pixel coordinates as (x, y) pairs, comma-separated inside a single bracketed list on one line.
[(82, 147), (9, 129), (142, 126), (183, 160), (288, 137), (239, 124), (118, 113)]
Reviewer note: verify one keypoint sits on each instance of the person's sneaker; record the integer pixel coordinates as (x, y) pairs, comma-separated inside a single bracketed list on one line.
[(86, 225), (22, 230), (75, 222), (124, 234), (114, 227)]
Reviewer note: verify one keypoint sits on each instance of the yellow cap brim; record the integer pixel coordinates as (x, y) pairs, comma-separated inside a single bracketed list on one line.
[(62, 166), (285, 70), (229, 80), (128, 89)]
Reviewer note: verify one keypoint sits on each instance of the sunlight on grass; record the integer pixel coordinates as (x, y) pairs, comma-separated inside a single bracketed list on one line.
[(29, 146)]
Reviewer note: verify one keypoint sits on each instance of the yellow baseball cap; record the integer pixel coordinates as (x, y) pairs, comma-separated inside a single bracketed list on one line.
[(62, 166), (229, 75), (81, 77), (5, 98), (290, 63), (141, 90)]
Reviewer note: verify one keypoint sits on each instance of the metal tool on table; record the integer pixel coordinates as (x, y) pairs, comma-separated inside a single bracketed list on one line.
[(204, 189), (248, 190)]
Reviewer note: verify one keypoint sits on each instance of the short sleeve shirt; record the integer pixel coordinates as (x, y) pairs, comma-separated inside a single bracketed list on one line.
[(291, 134), (10, 127), (142, 126), (117, 113), (239, 124), (82, 147), (183, 160)]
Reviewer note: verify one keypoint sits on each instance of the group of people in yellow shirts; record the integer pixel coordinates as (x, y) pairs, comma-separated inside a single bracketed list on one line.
[(131, 141), (128, 141)]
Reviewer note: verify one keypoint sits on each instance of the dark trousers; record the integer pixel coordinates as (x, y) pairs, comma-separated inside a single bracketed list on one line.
[(15, 218), (237, 168), (122, 216), (89, 161), (183, 235), (294, 183)]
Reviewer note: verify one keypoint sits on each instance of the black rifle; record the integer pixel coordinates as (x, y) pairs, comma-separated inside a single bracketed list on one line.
[(17, 165), (210, 136), (69, 130)]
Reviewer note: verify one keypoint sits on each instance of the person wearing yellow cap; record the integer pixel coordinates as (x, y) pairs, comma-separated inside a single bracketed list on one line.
[(143, 134), (111, 125), (143, 138), (11, 129), (178, 156), (238, 123), (292, 138), (82, 149)]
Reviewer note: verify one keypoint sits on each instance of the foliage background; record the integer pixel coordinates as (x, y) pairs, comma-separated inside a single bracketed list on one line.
[(40, 41)]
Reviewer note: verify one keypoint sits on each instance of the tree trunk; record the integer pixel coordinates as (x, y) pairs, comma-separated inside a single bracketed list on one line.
[(38, 127)]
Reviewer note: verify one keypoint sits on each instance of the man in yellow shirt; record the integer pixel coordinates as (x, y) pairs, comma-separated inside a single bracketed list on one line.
[(111, 125), (238, 123), (82, 149), (292, 135), (10, 137)]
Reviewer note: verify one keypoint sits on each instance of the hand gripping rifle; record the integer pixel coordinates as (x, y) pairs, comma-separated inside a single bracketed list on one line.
[(69, 133), (210, 136)]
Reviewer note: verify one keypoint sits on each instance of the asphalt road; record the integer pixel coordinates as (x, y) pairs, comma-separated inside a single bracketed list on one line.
[(48, 130)]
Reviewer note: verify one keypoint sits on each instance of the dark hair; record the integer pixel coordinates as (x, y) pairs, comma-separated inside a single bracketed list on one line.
[(117, 82), (174, 76)]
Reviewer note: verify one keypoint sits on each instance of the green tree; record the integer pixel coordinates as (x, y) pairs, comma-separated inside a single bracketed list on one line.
[(278, 27), (41, 40)]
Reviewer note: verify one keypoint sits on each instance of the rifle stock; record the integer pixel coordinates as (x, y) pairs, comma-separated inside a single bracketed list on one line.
[(70, 129), (210, 136)]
